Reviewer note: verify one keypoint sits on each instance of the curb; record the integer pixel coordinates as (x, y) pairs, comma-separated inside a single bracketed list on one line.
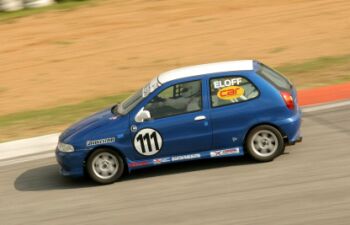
[(322, 95), (29, 146)]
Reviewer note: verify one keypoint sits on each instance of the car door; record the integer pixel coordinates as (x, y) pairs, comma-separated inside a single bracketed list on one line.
[(179, 124), (233, 103)]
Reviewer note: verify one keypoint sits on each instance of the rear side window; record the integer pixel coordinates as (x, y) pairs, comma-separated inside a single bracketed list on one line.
[(275, 78), (231, 90)]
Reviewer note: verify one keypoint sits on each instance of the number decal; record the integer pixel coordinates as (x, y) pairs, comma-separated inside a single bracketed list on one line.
[(148, 142), (140, 139), (154, 137)]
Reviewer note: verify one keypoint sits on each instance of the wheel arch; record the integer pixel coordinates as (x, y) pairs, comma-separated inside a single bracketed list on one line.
[(107, 147), (285, 137)]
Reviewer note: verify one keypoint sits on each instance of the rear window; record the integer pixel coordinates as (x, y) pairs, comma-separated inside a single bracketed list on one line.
[(275, 78)]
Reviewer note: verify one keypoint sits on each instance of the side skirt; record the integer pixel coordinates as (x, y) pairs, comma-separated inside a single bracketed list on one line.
[(229, 152)]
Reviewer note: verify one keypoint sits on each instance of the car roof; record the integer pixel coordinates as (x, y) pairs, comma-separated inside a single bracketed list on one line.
[(197, 70)]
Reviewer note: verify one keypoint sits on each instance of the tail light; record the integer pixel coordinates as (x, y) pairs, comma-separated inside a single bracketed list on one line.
[(288, 99)]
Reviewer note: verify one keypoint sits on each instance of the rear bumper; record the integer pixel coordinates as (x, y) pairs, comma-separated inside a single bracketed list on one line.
[(298, 140), (291, 128)]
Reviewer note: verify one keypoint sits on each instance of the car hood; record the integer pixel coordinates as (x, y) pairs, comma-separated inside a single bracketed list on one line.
[(90, 123)]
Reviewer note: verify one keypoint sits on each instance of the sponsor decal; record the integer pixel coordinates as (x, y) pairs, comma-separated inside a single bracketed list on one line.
[(176, 158), (137, 164), (229, 93), (113, 118), (185, 157), (148, 142), (161, 160), (227, 83), (224, 152), (100, 141)]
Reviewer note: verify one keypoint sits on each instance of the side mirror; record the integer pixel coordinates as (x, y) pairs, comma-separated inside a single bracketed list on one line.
[(142, 116)]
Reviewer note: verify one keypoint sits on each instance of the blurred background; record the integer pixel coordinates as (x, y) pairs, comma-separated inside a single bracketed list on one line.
[(60, 61)]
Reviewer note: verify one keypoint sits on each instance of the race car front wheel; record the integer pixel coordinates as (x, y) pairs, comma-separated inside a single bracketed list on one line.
[(105, 166), (264, 143)]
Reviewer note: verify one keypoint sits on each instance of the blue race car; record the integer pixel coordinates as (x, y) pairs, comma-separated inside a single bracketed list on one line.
[(206, 111)]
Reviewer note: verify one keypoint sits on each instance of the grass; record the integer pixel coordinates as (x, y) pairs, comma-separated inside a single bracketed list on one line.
[(315, 72), (318, 72), (2, 89), (278, 50), (36, 122), (315, 64), (63, 42), (61, 5)]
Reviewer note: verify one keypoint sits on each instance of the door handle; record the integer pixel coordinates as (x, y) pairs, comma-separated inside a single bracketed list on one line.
[(197, 118)]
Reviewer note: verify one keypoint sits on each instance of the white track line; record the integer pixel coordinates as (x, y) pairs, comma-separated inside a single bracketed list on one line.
[(325, 106), (22, 150)]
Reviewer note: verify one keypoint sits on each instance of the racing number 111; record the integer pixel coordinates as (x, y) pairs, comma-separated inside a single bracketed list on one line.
[(151, 141)]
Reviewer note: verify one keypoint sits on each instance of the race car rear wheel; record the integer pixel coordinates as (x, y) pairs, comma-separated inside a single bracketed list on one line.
[(105, 166), (264, 143)]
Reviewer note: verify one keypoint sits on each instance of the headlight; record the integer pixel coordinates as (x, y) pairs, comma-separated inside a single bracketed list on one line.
[(62, 147)]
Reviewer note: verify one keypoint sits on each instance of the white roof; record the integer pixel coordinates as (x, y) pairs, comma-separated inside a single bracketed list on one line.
[(205, 69)]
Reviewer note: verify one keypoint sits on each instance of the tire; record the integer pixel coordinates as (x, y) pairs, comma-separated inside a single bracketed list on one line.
[(105, 166), (264, 143)]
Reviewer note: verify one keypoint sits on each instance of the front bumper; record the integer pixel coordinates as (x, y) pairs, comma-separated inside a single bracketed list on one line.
[(71, 163)]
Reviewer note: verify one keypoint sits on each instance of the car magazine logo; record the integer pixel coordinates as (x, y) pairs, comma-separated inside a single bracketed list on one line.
[(161, 160), (229, 93), (225, 152), (185, 157), (100, 141)]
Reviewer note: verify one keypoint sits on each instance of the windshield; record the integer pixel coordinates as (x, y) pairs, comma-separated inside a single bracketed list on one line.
[(128, 104)]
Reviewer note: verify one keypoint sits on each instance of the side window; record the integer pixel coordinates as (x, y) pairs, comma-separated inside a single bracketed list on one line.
[(230, 90), (177, 99)]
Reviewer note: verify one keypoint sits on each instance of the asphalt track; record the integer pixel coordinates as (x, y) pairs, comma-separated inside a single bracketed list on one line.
[(309, 184)]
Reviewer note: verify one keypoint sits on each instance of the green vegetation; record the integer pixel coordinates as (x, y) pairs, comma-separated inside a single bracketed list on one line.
[(63, 42), (278, 50), (38, 121), (2, 89), (61, 5), (318, 72), (61, 114), (317, 64)]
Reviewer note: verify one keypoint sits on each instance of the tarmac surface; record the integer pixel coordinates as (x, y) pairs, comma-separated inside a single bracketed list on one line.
[(309, 184)]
